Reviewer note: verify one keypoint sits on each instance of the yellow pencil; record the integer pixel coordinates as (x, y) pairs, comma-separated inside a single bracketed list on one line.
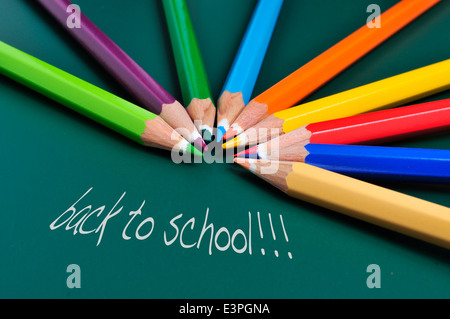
[(383, 207), (386, 93)]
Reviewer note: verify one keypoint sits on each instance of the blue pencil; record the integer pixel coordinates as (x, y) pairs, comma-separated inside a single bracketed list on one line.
[(244, 71), (374, 162)]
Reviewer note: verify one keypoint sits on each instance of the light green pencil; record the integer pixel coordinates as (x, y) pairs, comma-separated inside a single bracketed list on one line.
[(126, 118)]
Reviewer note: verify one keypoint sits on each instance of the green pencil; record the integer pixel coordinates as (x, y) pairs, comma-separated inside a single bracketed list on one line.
[(130, 120), (191, 71)]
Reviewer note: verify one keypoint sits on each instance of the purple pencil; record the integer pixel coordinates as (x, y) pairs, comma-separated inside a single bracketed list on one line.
[(149, 93)]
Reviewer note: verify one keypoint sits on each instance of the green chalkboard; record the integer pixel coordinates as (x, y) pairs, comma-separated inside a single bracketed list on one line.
[(157, 229)]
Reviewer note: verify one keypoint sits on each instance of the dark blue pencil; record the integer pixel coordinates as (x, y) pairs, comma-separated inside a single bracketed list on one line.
[(373, 162)]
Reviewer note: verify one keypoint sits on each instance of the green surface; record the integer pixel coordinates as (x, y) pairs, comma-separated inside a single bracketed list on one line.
[(51, 156)]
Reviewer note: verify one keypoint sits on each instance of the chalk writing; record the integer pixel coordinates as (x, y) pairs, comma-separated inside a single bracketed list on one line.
[(82, 219)]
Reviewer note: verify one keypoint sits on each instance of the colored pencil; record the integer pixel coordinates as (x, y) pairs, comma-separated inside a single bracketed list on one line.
[(147, 92), (369, 128), (327, 65), (383, 207), (241, 79), (386, 93), (128, 119), (373, 162), (191, 71)]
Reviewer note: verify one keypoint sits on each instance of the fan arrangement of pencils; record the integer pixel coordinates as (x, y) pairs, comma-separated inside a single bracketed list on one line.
[(323, 151)]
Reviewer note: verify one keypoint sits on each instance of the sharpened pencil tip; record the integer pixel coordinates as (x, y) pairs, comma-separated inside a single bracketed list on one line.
[(194, 151), (252, 152), (232, 132), (236, 142), (230, 144), (242, 162), (197, 140), (240, 154), (200, 144), (220, 133), (228, 134)]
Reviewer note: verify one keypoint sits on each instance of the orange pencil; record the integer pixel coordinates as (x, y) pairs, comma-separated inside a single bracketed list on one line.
[(326, 66)]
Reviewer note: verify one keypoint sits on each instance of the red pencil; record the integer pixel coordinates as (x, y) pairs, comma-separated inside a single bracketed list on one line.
[(369, 128)]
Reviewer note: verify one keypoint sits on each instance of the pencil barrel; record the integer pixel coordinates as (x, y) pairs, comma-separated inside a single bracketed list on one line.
[(146, 90), (252, 49), (93, 102), (383, 207), (387, 93), (383, 126), (339, 57), (382, 163)]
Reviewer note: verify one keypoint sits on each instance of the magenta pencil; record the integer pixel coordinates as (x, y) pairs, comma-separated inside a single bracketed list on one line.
[(148, 93)]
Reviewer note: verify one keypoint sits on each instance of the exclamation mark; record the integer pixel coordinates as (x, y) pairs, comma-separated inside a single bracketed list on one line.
[(273, 233), (261, 234), (285, 235)]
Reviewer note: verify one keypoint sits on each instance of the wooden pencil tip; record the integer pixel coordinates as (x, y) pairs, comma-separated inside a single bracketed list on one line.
[(199, 142), (252, 152), (220, 133), (194, 151), (242, 162), (234, 130), (231, 144), (228, 134), (202, 112), (273, 172), (238, 141), (253, 165)]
